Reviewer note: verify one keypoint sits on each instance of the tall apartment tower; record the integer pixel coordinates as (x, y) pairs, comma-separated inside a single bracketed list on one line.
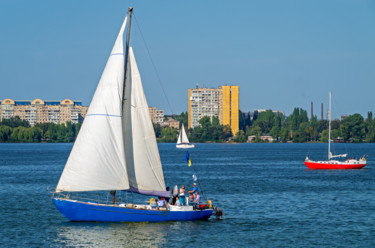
[(321, 112), (230, 101), (222, 103)]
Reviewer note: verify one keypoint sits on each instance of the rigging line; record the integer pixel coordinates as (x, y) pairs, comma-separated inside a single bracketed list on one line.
[(195, 173), (153, 64)]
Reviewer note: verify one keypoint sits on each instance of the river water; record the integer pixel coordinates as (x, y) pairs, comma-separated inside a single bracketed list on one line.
[(269, 199)]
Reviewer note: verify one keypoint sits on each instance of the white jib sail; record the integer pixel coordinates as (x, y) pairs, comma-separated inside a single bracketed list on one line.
[(97, 160), (184, 137), (179, 137), (143, 163)]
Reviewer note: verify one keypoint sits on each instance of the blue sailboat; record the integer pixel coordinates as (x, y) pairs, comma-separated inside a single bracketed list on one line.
[(116, 150)]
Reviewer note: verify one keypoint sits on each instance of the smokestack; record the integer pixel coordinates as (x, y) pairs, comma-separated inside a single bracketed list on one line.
[(312, 111), (321, 117)]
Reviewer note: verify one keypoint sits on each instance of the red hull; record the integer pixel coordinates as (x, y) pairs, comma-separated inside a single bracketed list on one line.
[(327, 166)]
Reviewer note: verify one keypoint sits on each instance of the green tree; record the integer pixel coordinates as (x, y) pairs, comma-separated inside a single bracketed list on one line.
[(275, 132), (240, 137), (168, 134), (183, 118), (157, 130), (5, 132), (257, 131), (355, 126), (227, 133), (15, 122), (244, 120), (284, 134), (370, 136)]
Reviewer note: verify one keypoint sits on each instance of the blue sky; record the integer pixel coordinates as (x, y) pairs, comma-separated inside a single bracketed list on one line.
[(282, 54)]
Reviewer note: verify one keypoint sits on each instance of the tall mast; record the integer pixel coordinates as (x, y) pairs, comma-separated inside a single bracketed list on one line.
[(130, 12), (329, 127)]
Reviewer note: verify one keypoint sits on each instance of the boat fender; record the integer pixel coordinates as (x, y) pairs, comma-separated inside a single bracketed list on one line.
[(209, 203)]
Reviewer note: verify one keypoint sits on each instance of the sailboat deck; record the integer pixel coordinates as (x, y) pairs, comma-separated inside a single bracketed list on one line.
[(130, 205)]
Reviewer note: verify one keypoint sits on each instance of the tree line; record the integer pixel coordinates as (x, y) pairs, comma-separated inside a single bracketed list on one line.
[(297, 128), (15, 130)]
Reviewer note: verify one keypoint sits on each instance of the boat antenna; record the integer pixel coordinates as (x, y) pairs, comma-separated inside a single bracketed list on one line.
[(130, 12), (153, 64)]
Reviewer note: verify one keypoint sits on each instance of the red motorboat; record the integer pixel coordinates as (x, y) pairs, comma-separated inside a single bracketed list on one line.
[(349, 163)]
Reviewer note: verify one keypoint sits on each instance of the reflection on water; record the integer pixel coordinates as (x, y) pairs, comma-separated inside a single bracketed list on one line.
[(76, 234), (111, 235)]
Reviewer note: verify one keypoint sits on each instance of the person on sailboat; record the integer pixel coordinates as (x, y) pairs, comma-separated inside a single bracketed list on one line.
[(182, 194), (153, 203), (177, 203), (174, 194), (181, 199), (191, 198), (195, 190), (113, 194), (162, 203), (197, 200)]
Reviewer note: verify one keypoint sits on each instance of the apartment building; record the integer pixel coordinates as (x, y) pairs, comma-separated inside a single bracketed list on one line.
[(40, 111), (222, 103), (156, 115), (230, 108)]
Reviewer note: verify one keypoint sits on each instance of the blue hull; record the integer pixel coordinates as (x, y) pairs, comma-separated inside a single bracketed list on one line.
[(83, 211)]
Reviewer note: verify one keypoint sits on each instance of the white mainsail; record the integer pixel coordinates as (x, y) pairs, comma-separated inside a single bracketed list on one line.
[(97, 160), (182, 138), (143, 163)]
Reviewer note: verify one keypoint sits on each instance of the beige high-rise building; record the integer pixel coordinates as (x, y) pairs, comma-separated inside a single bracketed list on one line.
[(222, 103), (203, 102), (39, 111)]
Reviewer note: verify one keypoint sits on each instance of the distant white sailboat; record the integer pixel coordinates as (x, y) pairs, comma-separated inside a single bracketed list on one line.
[(183, 141)]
